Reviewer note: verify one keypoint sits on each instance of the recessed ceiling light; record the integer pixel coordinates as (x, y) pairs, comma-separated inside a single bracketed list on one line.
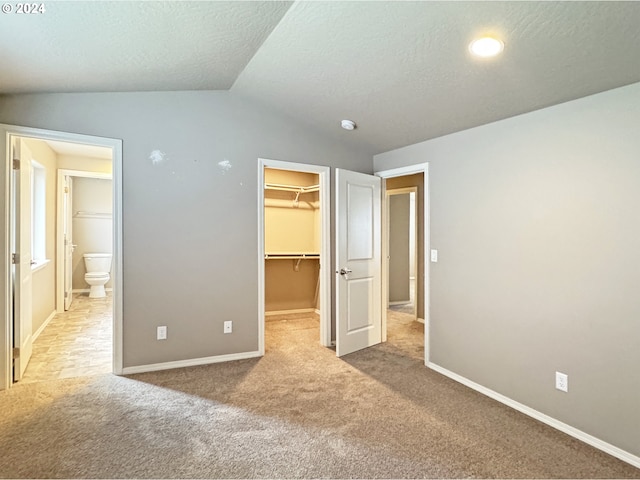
[(348, 124), (486, 47)]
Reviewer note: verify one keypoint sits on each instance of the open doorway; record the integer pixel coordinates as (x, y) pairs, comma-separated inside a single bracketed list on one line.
[(84, 228), (407, 214), (294, 247), (76, 338), (403, 253), (47, 335), (404, 328)]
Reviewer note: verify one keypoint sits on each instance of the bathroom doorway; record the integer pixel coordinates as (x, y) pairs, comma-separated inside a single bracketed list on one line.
[(85, 225), (37, 319), (78, 339)]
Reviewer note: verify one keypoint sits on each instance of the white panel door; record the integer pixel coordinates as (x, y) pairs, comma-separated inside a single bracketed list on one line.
[(68, 241), (358, 261), (22, 320)]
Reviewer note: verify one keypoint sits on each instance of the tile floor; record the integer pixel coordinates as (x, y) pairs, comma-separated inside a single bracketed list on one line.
[(75, 343)]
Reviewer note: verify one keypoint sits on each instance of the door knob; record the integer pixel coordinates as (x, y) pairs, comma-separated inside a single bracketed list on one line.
[(345, 271)]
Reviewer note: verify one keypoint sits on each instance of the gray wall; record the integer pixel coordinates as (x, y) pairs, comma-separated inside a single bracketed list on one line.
[(399, 268), (537, 225), (190, 225)]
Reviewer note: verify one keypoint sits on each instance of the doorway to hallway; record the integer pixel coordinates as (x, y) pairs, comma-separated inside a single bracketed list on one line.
[(413, 311)]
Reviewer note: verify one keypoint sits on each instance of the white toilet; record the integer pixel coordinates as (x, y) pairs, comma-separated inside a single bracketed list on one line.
[(98, 266)]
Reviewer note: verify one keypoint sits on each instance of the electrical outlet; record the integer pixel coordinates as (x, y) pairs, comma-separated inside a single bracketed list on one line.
[(161, 333), (228, 326), (562, 382)]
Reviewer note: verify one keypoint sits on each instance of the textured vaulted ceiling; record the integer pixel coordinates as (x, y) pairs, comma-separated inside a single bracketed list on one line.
[(400, 70), (105, 46)]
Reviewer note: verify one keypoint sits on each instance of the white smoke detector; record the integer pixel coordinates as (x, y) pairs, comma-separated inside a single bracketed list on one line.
[(348, 124)]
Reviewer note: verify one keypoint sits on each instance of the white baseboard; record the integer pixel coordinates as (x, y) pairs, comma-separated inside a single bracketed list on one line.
[(37, 333), (154, 367), (552, 422), (286, 312)]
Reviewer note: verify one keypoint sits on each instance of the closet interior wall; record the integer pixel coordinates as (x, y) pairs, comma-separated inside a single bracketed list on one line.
[(292, 235)]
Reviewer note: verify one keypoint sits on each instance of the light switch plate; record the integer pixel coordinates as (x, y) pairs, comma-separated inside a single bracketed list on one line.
[(161, 333), (434, 256)]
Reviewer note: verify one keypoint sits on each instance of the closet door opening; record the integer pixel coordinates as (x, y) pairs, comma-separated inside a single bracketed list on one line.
[(292, 242), (295, 287)]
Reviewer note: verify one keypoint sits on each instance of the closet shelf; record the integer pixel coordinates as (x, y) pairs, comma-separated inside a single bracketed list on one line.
[(292, 188), (291, 256)]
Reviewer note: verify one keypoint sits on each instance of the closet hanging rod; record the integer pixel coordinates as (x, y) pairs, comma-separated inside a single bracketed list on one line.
[(288, 256), (292, 188)]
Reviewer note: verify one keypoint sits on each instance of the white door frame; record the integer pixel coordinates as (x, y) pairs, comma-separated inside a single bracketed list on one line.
[(60, 227), (6, 133), (401, 172), (22, 223), (325, 247)]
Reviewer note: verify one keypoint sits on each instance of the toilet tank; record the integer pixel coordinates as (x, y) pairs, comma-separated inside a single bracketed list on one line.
[(97, 262)]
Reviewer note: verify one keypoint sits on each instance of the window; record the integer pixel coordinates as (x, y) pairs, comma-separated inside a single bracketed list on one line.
[(38, 214)]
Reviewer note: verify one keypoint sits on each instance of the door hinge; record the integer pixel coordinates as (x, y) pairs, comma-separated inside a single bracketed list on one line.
[(16, 352), (16, 164), (15, 258), (66, 294), (66, 189)]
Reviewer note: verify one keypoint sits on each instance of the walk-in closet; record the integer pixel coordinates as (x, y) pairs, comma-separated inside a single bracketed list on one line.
[(292, 233)]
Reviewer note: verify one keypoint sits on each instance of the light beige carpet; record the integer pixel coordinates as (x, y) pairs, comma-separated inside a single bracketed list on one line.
[(298, 412)]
